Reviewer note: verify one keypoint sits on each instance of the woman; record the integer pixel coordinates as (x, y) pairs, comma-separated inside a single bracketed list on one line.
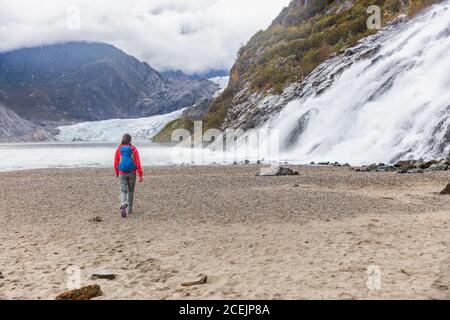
[(126, 164)]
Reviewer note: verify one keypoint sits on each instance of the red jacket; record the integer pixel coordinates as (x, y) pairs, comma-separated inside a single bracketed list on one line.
[(137, 162)]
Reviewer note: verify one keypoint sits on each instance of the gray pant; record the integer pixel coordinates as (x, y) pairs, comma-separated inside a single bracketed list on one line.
[(127, 183)]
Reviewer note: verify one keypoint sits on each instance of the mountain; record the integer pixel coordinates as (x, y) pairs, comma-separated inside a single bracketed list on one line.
[(304, 35), (191, 114), (75, 82), (384, 99)]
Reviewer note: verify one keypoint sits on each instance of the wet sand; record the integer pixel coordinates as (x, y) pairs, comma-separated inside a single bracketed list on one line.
[(312, 236)]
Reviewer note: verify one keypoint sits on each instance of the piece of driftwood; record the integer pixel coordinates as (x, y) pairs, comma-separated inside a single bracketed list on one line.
[(103, 274), (85, 293), (203, 280)]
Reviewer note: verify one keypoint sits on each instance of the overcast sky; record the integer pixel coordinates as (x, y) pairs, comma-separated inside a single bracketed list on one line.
[(190, 35)]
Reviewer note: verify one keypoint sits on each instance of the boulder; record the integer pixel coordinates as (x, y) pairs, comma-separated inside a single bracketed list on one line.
[(415, 171), (446, 190), (427, 164), (85, 293), (385, 169), (405, 164), (438, 167), (280, 171)]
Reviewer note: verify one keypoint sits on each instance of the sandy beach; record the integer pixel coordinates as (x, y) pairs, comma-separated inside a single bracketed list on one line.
[(311, 236)]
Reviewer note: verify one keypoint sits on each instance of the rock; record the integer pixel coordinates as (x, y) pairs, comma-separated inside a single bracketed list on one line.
[(372, 167), (246, 161), (235, 163), (324, 163), (405, 164), (2, 276), (97, 219), (402, 171), (446, 190), (402, 18), (346, 165), (385, 169), (426, 165), (85, 293), (280, 171), (415, 171), (203, 280), (103, 274), (312, 163), (438, 167), (336, 164), (258, 162), (296, 185)]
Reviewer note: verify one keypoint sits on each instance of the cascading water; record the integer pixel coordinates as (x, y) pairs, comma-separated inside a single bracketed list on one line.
[(393, 104)]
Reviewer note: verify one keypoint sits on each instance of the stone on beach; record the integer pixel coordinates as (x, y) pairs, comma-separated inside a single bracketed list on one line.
[(85, 293), (103, 274), (446, 190), (277, 171), (203, 280)]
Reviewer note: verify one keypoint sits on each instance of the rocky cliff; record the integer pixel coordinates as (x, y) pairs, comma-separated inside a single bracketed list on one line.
[(272, 67)]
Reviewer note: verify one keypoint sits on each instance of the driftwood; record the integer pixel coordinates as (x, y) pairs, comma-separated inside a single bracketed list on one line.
[(85, 293), (203, 280)]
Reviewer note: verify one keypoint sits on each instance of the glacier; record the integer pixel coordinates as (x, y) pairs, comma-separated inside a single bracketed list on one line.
[(113, 130)]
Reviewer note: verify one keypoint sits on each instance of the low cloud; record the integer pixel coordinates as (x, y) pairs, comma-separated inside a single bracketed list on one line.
[(190, 35)]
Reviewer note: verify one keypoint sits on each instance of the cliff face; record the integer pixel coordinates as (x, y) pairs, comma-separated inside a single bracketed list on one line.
[(77, 82), (302, 37)]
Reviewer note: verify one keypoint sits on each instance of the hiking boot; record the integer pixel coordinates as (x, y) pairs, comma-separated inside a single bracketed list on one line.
[(123, 211)]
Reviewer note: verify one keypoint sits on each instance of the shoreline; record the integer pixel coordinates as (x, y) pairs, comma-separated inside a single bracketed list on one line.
[(293, 237)]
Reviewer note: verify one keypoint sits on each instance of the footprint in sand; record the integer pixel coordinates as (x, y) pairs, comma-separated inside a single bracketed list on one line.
[(153, 270)]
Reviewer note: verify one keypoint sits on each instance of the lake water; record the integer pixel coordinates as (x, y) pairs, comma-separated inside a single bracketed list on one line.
[(24, 156)]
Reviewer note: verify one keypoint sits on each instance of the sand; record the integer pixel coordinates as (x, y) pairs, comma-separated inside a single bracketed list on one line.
[(328, 233)]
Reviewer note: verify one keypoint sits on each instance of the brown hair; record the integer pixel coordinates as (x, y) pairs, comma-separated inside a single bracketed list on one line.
[(126, 139)]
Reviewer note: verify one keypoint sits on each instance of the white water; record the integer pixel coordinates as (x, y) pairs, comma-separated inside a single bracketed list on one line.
[(408, 119), (222, 82), (113, 130)]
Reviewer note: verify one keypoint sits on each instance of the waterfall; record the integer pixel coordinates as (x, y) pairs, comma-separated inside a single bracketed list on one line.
[(387, 98)]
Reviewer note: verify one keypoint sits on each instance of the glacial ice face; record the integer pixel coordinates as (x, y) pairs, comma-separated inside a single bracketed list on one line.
[(113, 130)]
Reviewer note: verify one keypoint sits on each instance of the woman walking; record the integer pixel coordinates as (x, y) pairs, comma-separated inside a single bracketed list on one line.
[(126, 164)]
